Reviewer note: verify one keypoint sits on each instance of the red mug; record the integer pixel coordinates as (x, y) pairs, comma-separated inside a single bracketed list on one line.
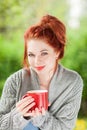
[(40, 98)]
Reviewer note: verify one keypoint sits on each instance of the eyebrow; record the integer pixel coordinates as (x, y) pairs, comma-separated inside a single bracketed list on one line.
[(40, 51), (43, 50)]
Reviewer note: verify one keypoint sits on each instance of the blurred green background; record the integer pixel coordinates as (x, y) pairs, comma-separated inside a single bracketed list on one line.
[(17, 15)]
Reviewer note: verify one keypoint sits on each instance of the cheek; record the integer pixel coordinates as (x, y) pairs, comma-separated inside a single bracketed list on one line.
[(30, 61), (51, 60)]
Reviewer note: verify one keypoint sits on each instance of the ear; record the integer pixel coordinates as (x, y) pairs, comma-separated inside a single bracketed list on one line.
[(57, 55)]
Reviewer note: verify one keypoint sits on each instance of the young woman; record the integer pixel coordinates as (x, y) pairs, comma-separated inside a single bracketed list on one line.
[(44, 48)]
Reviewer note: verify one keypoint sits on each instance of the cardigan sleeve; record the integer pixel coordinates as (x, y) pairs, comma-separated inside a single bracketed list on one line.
[(10, 119), (65, 117)]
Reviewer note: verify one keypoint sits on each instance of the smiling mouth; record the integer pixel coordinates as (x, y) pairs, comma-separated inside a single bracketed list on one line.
[(40, 67)]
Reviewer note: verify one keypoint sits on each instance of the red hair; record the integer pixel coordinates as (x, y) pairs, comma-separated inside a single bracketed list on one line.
[(50, 29)]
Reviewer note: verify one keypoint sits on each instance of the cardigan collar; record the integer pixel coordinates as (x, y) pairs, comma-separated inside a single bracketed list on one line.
[(53, 86)]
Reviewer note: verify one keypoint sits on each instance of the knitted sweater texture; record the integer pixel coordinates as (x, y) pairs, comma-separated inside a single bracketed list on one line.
[(65, 93)]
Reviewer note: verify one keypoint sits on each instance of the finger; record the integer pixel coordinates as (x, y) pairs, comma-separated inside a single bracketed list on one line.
[(24, 104), (37, 112), (49, 104), (26, 109), (31, 114), (22, 101), (43, 111)]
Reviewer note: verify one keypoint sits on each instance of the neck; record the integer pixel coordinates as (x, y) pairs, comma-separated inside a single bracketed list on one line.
[(45, 78)]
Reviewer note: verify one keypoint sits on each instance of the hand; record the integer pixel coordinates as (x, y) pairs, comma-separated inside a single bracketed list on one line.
[(37, 112), (24, 105)]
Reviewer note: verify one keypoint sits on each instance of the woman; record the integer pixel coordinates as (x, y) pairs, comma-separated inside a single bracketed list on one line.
[(44, 48)]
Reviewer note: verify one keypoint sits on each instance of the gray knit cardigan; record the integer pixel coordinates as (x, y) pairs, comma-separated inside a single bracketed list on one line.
[(65, 94)]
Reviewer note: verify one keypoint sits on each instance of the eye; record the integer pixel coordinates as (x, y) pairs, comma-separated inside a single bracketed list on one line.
[(31, 55), (44, 53)]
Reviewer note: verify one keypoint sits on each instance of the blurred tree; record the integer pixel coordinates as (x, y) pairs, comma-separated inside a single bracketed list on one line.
[(18, 15), (8, 10)]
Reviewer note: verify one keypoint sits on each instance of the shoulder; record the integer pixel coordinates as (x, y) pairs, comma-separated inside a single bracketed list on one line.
[(70, 75), (19, 74), (16, 75), (14, 79), (12, 84), (71, 80)]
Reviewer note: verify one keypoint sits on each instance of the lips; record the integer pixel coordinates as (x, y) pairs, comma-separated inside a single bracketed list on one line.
[(40, 67)]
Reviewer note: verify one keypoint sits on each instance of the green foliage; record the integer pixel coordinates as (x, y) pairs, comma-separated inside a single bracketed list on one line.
[(76, 54), (18, 15), (11, 55), (8, 10), (1, 86)]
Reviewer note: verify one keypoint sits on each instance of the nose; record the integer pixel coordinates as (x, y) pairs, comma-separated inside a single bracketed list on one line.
[(38, 60)]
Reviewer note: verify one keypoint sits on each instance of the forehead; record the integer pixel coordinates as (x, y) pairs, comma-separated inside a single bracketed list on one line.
[(35, 44)]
